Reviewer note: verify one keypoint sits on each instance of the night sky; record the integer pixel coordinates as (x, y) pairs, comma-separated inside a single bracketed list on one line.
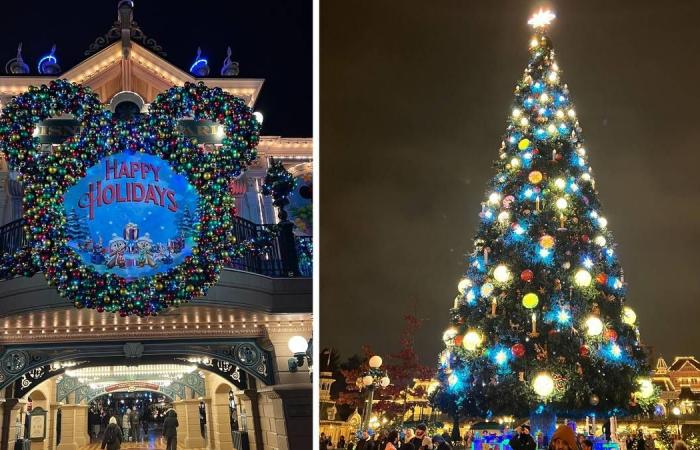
[(270, 39), (414, 100)]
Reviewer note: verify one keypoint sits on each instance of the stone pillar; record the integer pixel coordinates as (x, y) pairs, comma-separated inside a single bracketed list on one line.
[(74, 427), (286, 416), (11, 408), (252, 199), (249, 417), (189, 435), (220, 425)]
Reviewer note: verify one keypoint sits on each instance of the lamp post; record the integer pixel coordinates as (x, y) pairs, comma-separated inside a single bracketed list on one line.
[(302, 350), (372, 379), (677, 412)]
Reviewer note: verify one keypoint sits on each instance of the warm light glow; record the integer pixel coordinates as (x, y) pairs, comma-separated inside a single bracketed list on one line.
[(367, 380), (562, 203), (676, 411), (560, 183), (543, 384), (494, 198), (600, 240), (582, 278), (516, 113), (384, 382), (603, 222), (463, 285), (504, 217), (501, 357), (452, 379), (541, 18), (530, 300), (375, 361), (258, 116), (628, 315), (298, 344), (449, 335), (501, 273), (594, 326), (471, 341)]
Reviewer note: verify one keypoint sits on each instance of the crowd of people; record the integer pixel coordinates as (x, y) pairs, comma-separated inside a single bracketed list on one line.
[(131, 427), (564, 438)]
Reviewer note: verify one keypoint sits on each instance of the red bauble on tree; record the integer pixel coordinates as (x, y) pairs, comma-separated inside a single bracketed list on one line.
[(458, 340), (527, 275), (611, 334), (518, 350), (584, 351), (601, 278)]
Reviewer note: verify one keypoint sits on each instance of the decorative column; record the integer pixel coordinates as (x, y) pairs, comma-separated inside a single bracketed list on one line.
[(253, 200), (286, 416), (249, 417), (74, 427), (189, 435), (220, 423)]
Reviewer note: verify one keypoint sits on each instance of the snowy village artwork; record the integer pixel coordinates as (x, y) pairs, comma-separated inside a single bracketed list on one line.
[(132, 215)]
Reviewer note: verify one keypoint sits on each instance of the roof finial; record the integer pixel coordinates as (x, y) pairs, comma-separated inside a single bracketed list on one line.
[(48, 65), (200, 67), (229, 68), (541, 19), (17, 66)]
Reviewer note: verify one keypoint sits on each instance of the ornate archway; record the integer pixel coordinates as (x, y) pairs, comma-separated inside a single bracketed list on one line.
[(29, 365)]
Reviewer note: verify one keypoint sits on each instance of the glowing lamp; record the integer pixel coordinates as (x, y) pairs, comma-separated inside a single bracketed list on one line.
[(471, 341), (524, 122), (582, 278), (544, 98), (530, 300), (297, 344), (561, 203), (603, 222), (258, 116), (375, 361), (560, 183), (501, 273), (543, 385), (600, 240), (367, 380), (463, 285), (541, 19), (384, 382), (628, 315), (503, 217), (516, 112), (515, 163), (594, 326), (501, 357)]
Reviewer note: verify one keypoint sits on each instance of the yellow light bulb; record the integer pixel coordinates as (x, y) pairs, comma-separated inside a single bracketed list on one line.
[(594, 326), (471, 341), (543, 385), (463, 285), (562, 203), (572, 113), (628, 315), (560, 183)]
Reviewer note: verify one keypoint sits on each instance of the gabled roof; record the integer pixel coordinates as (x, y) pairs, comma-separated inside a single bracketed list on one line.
[(685, 363)]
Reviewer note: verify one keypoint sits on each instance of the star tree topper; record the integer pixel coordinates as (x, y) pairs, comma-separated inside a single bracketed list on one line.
[(541, 19)]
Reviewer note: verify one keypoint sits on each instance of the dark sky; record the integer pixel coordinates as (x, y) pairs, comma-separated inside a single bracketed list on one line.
[(271, 39), (414, 98)]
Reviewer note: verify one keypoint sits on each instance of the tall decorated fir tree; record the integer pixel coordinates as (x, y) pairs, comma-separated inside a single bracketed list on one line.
[(540, 322)]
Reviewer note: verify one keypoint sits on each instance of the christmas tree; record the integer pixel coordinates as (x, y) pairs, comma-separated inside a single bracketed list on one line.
[(185, 223), (540, 322), (76, 227)]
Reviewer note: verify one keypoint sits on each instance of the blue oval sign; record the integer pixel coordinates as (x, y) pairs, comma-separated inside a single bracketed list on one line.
[(131, 215)]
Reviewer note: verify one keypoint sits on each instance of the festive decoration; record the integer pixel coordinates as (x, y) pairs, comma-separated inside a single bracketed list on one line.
[(49, 176), (544, 259), (530, 300), (279, 183)]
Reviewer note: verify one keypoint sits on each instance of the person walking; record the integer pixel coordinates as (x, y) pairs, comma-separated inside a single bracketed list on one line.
[(112, 439), (407, 440), (392, 440), (341, 442), (170, 425), (126, 425), (524, 440)]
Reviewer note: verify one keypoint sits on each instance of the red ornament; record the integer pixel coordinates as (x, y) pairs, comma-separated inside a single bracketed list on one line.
[(518, 350), (458, 340), (601, 278), (585, 239), (527, 275), (584, 351), (610, 334)]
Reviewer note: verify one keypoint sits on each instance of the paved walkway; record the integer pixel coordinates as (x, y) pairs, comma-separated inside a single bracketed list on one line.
[(153, 443)]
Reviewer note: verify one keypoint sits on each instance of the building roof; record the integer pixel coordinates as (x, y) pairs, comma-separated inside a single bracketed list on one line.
[(685, 363)]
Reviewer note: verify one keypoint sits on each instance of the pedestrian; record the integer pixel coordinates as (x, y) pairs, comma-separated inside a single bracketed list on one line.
[(362, 443), (586, 444), (524, 440), (341, 442), (134, 424), (641, 444), (564, 438), (112, 439), (351, 445), (126, 425), (422, 441), (392, 440), (170, 425), (407, 440), (323, 442), (144, 423), (439, 443)]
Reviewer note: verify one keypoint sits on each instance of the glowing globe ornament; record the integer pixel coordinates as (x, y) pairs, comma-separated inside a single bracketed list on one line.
[(530, 300), (535, 177), (543, 385), (524, 144), (547, 241), (449, 335), (582, 278), (472, 341), (501, 273), (629, 316), (594, 326), (463, 285)]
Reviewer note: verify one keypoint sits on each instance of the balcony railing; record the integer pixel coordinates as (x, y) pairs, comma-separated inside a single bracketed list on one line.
[(288, 256)]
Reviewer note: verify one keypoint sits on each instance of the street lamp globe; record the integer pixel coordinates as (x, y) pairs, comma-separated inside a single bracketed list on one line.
[(385, 382), (298, 344), (676, 411), (367, 380), (375, 361)]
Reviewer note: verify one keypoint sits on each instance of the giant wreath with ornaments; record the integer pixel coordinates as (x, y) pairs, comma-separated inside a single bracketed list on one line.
[(145, 163)]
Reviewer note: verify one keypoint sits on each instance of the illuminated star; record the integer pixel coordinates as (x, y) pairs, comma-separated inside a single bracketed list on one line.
[(541, 19)]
